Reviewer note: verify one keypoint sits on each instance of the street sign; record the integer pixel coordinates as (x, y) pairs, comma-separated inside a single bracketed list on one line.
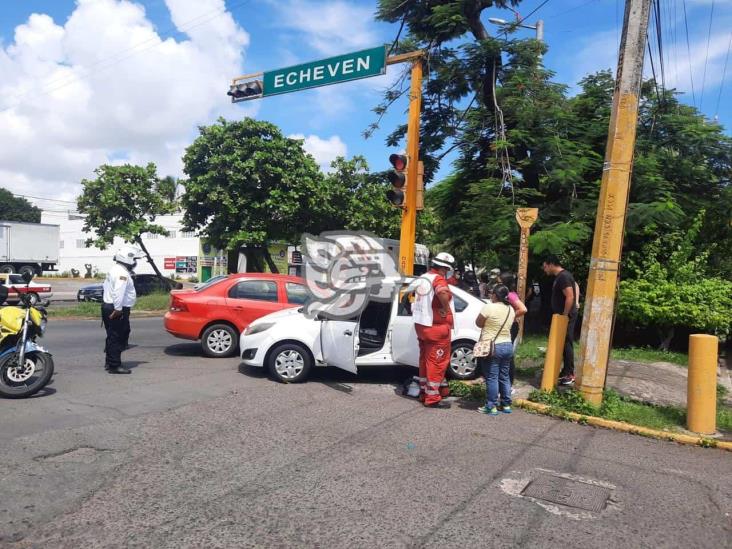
[(342, 68)]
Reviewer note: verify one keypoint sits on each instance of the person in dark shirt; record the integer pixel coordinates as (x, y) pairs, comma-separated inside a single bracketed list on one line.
[(564, 302)]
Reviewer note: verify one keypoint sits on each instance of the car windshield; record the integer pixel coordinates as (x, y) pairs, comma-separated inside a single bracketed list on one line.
[(211, 281)]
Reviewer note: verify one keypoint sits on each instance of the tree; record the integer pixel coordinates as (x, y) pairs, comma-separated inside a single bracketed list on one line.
[(249, 184), (671, 290), (124, 201), (357, 199), (15, 208)]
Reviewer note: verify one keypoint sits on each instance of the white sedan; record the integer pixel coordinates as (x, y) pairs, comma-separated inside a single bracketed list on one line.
[(290, 344), (38, 292)]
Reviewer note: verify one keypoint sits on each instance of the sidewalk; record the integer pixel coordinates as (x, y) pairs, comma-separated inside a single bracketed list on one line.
[(653, 382)]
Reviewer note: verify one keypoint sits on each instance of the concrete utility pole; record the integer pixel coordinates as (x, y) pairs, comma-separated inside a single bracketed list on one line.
[(612, 206)]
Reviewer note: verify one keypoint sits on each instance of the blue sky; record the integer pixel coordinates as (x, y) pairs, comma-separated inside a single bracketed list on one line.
[(94, 81)]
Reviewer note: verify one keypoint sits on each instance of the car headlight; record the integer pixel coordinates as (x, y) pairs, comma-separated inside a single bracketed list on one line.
[(256, 328)]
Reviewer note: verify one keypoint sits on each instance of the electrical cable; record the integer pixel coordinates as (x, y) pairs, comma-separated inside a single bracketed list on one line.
[(653, 68), (724, 75), (688, 53), (544, 3), (659, 40), (706, 58)]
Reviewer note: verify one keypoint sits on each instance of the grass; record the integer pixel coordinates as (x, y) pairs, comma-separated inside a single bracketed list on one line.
[(619, 408), (530, 351), (154, 302)]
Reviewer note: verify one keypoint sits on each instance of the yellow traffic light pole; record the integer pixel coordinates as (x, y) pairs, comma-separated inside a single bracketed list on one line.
[(409, 215)]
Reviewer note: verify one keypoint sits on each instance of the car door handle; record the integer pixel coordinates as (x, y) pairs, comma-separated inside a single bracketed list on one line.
[(348, 333)]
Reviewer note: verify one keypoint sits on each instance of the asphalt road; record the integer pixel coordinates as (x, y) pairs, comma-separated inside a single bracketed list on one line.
[(193, 452)]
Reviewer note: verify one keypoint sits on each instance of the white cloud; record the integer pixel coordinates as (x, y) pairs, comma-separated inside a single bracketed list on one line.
[(599, 51), (324, 151), (105, 85), (330, 27)]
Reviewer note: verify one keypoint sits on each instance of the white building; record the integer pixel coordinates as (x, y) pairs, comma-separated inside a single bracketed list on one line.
[(178, 253)]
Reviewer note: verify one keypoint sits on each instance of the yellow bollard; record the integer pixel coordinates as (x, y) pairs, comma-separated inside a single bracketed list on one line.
[(554, 352), (701, 392)]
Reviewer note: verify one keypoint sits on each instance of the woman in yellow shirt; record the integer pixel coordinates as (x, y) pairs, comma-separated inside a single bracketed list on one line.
[(495, 319)]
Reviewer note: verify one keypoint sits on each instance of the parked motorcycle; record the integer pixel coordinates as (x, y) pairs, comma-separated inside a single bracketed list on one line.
[(25, 366)]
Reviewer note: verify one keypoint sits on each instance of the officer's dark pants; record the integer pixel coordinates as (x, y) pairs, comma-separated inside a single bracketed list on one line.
[(118, 332)]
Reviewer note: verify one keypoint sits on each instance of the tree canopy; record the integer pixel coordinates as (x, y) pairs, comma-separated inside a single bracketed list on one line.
[(250, 185), (520, 139), (15, 208), (124, 201)]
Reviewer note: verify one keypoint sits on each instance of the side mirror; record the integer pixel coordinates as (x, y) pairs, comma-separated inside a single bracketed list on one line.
[(27, 276)]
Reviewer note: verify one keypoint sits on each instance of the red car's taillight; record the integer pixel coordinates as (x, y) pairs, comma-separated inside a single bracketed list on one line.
[(177, 305)]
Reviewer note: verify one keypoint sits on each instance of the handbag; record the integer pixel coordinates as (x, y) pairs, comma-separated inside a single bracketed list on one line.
[(484, 349)]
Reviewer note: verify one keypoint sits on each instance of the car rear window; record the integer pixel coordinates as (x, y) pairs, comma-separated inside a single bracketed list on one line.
[(260, 290), (296, 293)]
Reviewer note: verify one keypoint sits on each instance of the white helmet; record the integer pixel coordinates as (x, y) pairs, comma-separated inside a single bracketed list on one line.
[(443, 259), (127, 255)]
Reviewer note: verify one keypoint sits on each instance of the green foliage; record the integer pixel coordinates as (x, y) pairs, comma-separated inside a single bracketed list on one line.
[(357, 199), (648, 354), (14, 208), (247, 183), (673, 289), (123, 201), (619, 408)]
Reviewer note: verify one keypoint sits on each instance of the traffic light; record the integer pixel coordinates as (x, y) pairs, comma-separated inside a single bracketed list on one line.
[(398, 179), (244, 91)]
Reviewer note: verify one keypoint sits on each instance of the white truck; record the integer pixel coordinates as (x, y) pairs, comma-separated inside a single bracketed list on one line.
[(28, 247)]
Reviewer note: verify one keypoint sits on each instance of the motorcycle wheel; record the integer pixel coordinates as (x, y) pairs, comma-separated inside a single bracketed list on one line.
[(16, 382)]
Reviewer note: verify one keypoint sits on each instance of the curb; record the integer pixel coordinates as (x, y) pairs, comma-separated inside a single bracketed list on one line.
[(624, 427)]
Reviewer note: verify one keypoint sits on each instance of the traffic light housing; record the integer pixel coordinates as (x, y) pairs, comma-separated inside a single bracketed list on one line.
[(398, 179), (244, 91)]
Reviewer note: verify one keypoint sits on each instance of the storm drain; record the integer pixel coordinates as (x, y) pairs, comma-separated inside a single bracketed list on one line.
[(567, 492)]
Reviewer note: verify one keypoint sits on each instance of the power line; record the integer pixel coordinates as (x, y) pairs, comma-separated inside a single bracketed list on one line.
[(653, 69), (706, 58), (570, 10), (688, 53), (544, 3), (659, 41), (114, 59), (724, 75), (44, 198)]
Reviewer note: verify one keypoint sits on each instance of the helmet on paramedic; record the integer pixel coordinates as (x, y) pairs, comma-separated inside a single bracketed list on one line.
[(127, 255), (443, 259)]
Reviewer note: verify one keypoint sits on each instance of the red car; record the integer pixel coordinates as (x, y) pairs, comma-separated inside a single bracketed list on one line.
[(216, 313)]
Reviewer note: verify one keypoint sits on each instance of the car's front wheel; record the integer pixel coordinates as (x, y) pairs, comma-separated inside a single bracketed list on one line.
[(219, 341), (462, 363), (290, 363)]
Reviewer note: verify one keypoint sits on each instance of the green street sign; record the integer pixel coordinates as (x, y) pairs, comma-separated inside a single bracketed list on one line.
[(342, 68)]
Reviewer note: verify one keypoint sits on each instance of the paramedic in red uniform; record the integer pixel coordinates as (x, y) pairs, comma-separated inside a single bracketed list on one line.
[(433, 319)]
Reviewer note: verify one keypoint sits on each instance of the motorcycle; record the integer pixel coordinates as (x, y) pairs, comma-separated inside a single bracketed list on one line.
[(25, 366)]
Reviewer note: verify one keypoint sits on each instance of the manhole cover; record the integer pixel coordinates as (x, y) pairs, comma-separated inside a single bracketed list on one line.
[(571, 493)]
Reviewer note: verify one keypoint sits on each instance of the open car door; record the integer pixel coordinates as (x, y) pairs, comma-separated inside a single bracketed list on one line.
[(404, 344), (338, 343)]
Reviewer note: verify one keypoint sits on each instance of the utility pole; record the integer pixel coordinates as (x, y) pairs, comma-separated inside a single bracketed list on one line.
[(409, 215), (612, 207)]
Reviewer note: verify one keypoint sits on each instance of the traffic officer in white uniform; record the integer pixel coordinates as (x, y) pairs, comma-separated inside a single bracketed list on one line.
[(119, 298)]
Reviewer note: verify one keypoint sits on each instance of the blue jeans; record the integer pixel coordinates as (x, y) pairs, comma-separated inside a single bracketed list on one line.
[(495, 370)]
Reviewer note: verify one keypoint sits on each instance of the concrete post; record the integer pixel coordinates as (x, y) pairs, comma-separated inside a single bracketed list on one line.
[(701, 394), (554, 352)]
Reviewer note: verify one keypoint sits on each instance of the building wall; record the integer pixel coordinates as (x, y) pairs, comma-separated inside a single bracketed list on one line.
[(73, 253)]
